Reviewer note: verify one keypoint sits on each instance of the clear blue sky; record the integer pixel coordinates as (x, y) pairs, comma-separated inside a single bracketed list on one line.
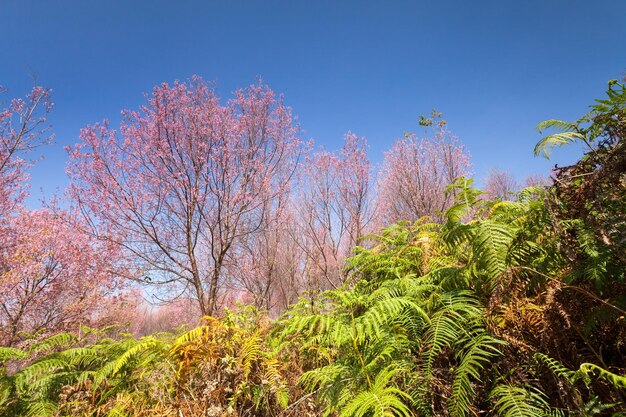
[(494, 68)]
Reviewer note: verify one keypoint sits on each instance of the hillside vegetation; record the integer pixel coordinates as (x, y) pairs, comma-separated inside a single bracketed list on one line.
[(495, 308)]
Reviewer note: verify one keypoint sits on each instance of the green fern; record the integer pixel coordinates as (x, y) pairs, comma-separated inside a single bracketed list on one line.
[(9, 353), (40, 408), (618, 381), (478, 349), (517, 401), (60, 340), (555, 366), (382, 399), (134, 355), (545, 146)]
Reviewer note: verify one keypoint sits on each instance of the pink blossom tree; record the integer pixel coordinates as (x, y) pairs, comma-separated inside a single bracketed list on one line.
[(186, 180), (269, 262), (416, 173), (53, 277), (537, 180), (166, 317), (22, 129), (290, 282), (501, 185), (334, 209), (354, 190)]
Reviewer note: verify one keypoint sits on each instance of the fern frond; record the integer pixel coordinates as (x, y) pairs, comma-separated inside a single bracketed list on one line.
[(444, 330), (383, 399), (190, 336), (491, 243), (545, 146), (41, 408), (60, 340), (555, 366), (9, 353), (618, 381), (386, 311), (250, 352), (321, 377), (113, 367), (37, 370), (478, 350), (516, 401), (559, 125)]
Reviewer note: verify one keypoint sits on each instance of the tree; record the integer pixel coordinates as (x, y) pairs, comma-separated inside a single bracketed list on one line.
[(501, 185), (187, 180), (22, 129), (334, 209), (53, 277), (269, 262), (416, 173), (354, 187), (179, 313), (537, 180)]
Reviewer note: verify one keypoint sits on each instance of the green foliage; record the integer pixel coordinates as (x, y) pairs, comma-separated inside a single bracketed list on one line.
[(476, 353), (94, 374), (442, 297), (382, 399), (413, 307), (545, 146), (605, 118), (588, 200), (516, 401), (618, 381), (8, 353)]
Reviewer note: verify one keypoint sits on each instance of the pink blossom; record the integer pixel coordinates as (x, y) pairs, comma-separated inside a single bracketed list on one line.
[(416, 173), (186, 180)]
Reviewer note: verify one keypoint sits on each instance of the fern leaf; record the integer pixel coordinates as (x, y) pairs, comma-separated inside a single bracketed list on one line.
[(386, 311), (9, 353), (515, 401), (443, 331), (113, 367), (53, 342), (555, 366), (545, 146), (491, 244), (559, 125), (41, 408), (250, 352), (618, 381), (477, 352), (37, 370), (381, 400)]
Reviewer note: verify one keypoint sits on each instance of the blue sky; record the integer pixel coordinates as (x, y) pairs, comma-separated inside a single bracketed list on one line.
[(494, 68)]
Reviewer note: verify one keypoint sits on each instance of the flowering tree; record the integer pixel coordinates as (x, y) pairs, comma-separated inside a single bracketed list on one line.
[(335, 207), (269, 262), (52, 276), (354, 188), (416, 173), (537, 180), (167, 317), (22, 129), (187, 180), (501, 185)]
